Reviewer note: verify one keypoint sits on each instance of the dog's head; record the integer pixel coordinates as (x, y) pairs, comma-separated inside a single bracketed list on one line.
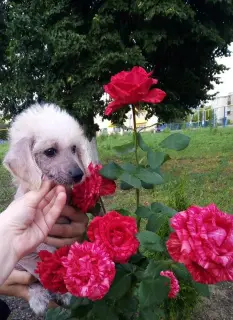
[(46, 142)]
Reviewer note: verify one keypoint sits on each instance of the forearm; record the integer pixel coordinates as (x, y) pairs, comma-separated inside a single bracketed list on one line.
[(8, 258)]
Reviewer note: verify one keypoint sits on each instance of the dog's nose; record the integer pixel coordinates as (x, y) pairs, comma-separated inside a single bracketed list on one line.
[(76, 174)]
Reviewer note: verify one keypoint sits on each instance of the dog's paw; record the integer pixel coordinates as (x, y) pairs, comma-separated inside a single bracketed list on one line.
[(39, 299)]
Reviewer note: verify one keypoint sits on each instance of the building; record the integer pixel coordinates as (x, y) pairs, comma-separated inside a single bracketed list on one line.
[(223, 108), (106, 127)]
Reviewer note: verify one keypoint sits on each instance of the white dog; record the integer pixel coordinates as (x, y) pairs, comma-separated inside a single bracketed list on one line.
[(46, 142)]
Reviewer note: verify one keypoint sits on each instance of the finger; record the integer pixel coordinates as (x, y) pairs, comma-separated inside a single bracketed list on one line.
[(49, 200), (34, 197), (74, 214), (68, 230), (69, 194), (58, 243), (20, 277), (54, 212), (17, 290)]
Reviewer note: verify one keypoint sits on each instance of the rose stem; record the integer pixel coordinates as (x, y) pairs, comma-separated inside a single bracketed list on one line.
[(102, 205), (137, 162)]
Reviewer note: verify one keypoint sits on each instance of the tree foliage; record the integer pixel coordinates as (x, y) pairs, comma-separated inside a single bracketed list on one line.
[(65, 50)]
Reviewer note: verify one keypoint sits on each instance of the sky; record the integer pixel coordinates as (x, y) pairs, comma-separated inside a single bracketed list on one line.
[(226, 77)]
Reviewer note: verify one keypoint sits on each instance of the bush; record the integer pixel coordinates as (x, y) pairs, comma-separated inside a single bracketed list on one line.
[(3, 134)]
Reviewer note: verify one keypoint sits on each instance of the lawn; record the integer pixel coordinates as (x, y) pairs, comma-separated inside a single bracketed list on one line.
[(201, 174)]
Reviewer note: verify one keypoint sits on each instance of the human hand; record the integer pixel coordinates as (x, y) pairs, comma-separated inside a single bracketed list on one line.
[(28, 220), (66, 234), (17, 284)]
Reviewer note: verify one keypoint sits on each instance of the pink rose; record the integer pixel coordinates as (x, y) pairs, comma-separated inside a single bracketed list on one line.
[(89, 271), (174, 284), (203, 242), (116, 233)]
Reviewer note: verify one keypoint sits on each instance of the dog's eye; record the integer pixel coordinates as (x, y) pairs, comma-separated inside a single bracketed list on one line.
[(73, 149), (51, 152)]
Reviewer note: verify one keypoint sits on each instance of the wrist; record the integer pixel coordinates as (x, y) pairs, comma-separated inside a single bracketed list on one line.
[(8, 256)]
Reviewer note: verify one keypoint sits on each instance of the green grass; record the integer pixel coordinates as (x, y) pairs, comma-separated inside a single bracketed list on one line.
[(203, 172)]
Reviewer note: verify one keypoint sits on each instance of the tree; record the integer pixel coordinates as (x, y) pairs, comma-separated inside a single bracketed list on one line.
[(65, 51)]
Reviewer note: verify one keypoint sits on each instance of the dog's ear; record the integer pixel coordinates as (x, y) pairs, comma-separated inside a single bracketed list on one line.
[(88, 153), (21, 164)]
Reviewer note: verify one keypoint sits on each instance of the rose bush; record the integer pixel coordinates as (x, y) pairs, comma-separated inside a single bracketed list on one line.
[(149, 263)]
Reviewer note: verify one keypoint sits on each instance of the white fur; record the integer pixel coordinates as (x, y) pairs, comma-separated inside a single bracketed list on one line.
[(46, 121)]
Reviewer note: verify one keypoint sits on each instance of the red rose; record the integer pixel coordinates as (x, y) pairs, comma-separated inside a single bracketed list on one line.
[(51, 270), (132, 87), (116, 233), (203, 241), (174, 284), (86, 194), (89, 271)]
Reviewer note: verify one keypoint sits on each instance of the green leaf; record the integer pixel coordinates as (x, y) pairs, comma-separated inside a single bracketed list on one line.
[(131, 180), (77, 302), (155, 221), (128, 306), (124, 212), (150, 241), (176, 141), (147, 185), (149, 314), (202, 289), (58, 314), (121, 285), (80, 307), (104, 312), (125, 148), (152, 292), (125, 186), (158, 207), (156, 159), (130, 168), (149, 177), (141, 143), (111, 171), (143, 212), (154, 268), (138, 257), (180, 271)]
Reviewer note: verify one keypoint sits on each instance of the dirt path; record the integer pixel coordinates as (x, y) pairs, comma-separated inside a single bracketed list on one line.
[(219, 307)]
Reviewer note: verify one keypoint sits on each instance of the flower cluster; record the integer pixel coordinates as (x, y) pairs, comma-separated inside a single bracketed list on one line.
[(202, 240), (86, 194), (88, 269)]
